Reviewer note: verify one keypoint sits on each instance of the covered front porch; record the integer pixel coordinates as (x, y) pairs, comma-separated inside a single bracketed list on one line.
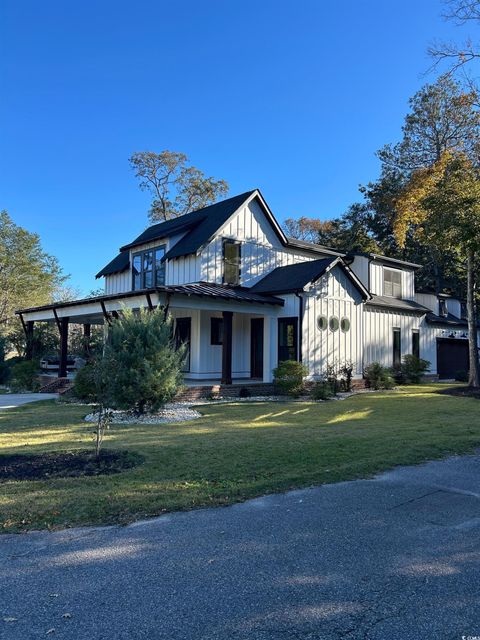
[(231, 333)]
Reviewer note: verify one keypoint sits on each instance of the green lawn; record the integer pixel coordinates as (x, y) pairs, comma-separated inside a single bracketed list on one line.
[(233, 452)]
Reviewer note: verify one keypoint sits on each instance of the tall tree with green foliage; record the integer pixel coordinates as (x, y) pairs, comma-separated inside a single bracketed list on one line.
[(28, 275), (441, 205), (443, 116), (145, 363), (177, 187)]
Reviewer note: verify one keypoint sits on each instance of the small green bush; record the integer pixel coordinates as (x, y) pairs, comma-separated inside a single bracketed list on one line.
[(288, 377), (84, 384), (414, 368), (331, 377), (461, 376), (345, 375), (23, 376), (378, 377), (322, 390)]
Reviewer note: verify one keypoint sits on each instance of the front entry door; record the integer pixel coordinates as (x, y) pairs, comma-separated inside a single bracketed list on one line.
[(183, 332), (256, 350)]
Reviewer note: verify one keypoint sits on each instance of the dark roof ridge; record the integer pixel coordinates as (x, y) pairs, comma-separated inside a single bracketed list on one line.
[(185, 221)]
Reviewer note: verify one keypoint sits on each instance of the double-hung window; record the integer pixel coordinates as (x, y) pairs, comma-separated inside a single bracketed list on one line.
[(148, 270), (392, 283), (231, 262)]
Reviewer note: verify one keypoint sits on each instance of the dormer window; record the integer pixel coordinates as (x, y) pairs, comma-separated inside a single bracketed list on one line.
[(148, 270), (231, 262), (463, 310), (442, 307), (392, 283)]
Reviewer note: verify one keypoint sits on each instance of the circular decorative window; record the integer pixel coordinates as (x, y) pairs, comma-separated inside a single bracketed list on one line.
[(322, 323), (345, 324), (333, 323)]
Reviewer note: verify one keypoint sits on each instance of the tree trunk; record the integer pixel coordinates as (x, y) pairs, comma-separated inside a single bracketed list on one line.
[(473, 378)]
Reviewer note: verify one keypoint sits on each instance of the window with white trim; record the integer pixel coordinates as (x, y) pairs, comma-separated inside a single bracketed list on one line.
[(392, 283)]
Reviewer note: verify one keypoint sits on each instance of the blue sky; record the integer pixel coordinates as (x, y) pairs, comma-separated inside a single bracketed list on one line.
[(291, 97)]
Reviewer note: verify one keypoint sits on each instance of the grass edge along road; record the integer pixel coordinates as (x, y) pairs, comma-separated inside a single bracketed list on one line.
[(234, 452)]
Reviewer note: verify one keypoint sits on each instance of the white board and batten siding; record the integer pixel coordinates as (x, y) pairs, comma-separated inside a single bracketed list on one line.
[(261, 249), (370, 273), (181, 271), (118, 282), (333, 296), (428, 300), (376, 280), (379, 324)]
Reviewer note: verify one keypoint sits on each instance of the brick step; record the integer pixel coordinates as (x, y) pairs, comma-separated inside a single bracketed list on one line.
[(58, 385)]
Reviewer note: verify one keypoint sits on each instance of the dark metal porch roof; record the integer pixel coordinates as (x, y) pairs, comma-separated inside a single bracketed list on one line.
[(201, 289)]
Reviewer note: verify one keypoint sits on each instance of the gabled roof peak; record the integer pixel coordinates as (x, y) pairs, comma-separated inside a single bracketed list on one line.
[(216, 212)]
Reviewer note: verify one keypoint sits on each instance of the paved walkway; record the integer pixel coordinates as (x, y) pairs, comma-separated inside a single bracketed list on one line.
[(397, 557), (12, 400)]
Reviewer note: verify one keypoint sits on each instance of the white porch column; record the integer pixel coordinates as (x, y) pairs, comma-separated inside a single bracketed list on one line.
[(270, 346)]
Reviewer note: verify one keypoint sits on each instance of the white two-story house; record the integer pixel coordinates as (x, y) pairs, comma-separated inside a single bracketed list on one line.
[(244, 297)]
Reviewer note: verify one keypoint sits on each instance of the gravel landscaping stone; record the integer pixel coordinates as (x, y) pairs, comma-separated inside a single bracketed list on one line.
[(170, 413)]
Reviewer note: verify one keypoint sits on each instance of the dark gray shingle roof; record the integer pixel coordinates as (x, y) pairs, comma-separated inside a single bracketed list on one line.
[(213, 217), (449, 320), (170, 227), (200, 224), (313, 247), (117, 265), (397, 303), (292, 277)]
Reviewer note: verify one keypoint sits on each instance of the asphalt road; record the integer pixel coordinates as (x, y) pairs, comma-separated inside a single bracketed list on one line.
[(12, 400), (396, 557)]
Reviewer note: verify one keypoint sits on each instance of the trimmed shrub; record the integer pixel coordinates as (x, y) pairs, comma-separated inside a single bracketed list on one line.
[(414, 368), (461, 376), (288, 377), (322, 390), (84, 384), (378, 377), (244, 393), (23, 376)]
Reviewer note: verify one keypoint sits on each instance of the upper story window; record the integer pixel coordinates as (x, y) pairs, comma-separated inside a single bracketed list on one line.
[(442, 307), (392, 283), (148, 270), (463, 310), (231, 262)]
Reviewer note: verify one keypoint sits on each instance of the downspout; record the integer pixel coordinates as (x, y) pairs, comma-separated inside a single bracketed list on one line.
[(300, 326)]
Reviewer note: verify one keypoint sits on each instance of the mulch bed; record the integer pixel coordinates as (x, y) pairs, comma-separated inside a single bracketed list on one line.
[(66, 464), (464, 392)]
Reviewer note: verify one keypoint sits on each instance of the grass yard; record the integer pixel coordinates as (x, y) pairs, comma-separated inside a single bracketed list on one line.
[(233, 452)]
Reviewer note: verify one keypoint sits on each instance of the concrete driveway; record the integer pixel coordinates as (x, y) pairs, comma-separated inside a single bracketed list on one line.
[(12, 400), (396, 557)]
